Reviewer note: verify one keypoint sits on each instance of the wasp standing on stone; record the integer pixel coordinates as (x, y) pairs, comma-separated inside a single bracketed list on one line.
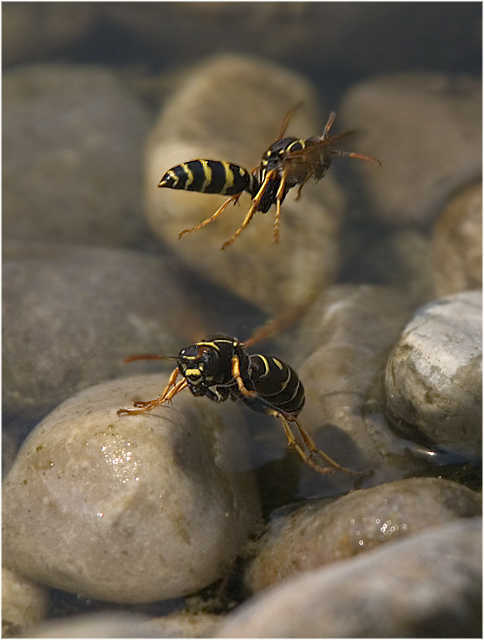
[(219, 368), (287, 163)]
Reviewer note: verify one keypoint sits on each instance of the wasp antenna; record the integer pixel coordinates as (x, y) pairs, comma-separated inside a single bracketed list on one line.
[(358, 156), (329, 124), (287, 119), (149, 356)]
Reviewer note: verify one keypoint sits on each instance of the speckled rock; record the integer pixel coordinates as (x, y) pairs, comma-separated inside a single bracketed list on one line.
[(429, 585), (231, 109), (24, 603), (132, 508), (319, 533), (348, 334), (457, 243), (71, 315), (433, 378), (72, 140), (426, 130)]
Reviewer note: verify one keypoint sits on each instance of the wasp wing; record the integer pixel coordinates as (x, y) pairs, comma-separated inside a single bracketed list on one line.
[(284, 320)]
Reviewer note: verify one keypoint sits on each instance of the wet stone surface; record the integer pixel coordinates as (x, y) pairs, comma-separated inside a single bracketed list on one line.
[(429, 581), (131, 508), (324, 532), (433, 378)]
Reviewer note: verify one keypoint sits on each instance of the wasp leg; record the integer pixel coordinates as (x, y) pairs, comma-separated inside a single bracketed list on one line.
[(238, 378), (215, 215), (294, 444), (310, 175), (169, 392), (253, 207), (314, 451), (279, 196)]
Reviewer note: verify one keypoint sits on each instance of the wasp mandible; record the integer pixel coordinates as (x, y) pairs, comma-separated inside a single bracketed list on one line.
[(287, 163), (219, 368)]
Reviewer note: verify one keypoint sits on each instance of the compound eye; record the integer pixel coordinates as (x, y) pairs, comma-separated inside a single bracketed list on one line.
[(203, 350)]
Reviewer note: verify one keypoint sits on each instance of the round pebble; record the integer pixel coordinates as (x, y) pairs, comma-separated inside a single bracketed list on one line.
[(457, 243), (433, 378), (426, 130), (320, 533), (24, 603), (129, 509), (71, 315), (72, 148), (349, 332), (429, 585)]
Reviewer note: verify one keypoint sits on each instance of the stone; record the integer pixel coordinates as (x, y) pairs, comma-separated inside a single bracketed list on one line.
[(457, 243), (320, 533), (427, 585), (24, 603), (72, 151), (130, 509), (71, 315), (433, 378), (348, 334), (426, 130)]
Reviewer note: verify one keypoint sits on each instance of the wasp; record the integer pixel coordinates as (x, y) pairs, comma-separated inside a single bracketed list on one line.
[(287, 163), (219, 368)]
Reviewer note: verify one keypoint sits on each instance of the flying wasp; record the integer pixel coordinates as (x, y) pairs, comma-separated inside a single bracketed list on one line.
[(287, 163), (219, 368)]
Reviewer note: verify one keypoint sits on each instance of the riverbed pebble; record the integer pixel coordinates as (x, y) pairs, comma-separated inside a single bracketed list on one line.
[(433, 378), (72, 149), (320, 533), (426, 129), (71, 315), (428, 585), (350, 331), (457, 243), (24, 603), (129, 509)]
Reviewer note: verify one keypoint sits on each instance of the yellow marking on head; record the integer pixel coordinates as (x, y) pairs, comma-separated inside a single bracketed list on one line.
[(207, 171), (210, 344)]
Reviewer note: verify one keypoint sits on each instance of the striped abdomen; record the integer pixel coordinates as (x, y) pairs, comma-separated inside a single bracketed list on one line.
[(209, 176), (276, 384)]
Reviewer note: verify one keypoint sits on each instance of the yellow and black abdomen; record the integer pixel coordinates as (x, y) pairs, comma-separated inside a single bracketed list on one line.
[(209, 176), (277, 385)]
